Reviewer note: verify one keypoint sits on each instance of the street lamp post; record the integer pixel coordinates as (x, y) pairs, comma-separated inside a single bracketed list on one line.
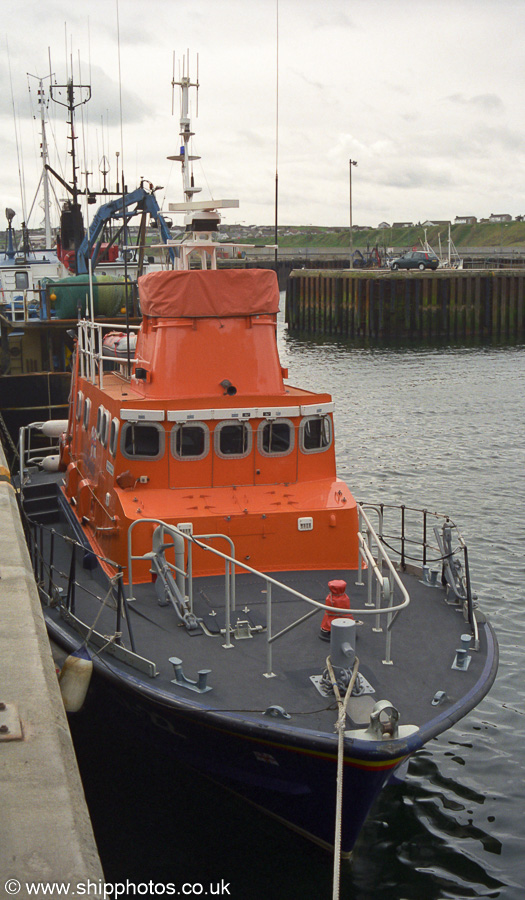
[(351, 163)]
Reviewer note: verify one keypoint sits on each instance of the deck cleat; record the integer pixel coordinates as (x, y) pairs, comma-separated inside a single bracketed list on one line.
[(462, 658), (200, 686)]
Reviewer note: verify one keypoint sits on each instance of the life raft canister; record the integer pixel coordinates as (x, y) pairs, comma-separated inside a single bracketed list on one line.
[(339, 599)]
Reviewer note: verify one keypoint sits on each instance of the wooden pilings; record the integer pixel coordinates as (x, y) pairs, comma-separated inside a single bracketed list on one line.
[(451, 304)]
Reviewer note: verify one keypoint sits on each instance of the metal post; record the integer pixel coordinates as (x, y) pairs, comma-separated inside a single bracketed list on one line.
[(228, 645), (269, 661), (51, 555), (41, 568), (403, 564), (70, 600), (118, 623), (351, 163)]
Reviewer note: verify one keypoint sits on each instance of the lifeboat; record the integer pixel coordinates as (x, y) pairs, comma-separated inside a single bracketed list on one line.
[(200, 521)]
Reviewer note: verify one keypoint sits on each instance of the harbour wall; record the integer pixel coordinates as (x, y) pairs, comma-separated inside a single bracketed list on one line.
[(45, 829), (452, 304)]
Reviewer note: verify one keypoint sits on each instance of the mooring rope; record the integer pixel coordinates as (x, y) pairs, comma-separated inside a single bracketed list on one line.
[(340, 727)]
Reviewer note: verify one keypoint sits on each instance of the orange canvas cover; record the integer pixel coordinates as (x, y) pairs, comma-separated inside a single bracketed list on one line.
[(215, 292)]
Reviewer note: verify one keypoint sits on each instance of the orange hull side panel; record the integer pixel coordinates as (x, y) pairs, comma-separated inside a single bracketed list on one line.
[(263, 523)]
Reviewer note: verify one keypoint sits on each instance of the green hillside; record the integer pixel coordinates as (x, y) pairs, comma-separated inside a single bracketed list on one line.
[(487, 235)]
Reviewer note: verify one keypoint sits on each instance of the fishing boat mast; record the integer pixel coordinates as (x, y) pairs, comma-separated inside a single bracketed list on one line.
[(72, 225), (44, 177)]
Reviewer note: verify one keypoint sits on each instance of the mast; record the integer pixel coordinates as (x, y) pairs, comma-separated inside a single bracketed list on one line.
[(72, 226), (71, 105), (202, 218), (45, 174), (184, 156), (44, 155)]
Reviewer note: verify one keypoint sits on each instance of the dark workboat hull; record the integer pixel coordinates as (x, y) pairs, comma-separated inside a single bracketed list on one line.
[(287, 772)]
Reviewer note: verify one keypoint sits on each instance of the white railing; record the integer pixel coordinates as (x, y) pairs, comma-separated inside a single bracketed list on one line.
[(91, 353), (384, 595), (22, 306)]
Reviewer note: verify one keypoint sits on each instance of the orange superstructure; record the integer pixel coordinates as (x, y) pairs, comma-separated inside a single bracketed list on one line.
[(206, 433)]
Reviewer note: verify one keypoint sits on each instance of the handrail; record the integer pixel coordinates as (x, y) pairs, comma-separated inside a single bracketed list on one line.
[(383, 585), (17, 302), (25, 457), (375, 569), (90, 348)]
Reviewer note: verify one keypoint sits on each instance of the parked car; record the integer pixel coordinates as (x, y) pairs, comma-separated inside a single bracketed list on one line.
[(416, 259)]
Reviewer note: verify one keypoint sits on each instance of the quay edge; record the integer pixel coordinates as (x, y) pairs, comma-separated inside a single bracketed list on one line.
[(452, 304), (45, 830)]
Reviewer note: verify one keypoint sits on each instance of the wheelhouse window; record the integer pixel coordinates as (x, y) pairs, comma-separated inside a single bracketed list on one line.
[(113, 436), (21, 281), (141, 441), (276, 438), (190, 441), (233, 439), (316, 434)]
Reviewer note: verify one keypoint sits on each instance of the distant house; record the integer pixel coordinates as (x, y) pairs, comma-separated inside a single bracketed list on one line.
[(500, 217), (465, 220), (403, 225), (434, 222), (383, 225)]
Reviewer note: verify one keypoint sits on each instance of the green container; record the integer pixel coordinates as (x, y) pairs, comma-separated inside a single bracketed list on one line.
[(72, 295)]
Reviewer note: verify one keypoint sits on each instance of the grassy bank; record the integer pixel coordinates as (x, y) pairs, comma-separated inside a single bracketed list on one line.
[(486, 235)]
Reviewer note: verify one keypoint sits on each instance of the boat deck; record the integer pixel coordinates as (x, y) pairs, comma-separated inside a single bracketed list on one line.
[(425, 637)]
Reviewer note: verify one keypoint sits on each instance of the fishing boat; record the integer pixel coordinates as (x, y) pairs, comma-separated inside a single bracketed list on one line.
[(43, 291), (192, 538)]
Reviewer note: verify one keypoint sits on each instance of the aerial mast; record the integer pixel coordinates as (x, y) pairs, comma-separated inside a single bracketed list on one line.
[(44, 154), (72, 226), (184, 156)]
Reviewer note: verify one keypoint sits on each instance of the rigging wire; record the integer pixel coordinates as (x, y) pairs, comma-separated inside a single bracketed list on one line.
[(276, 128), (18, 156), (126, 283)]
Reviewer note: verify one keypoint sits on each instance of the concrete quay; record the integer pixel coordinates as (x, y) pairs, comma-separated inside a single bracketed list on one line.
[(45, 829)]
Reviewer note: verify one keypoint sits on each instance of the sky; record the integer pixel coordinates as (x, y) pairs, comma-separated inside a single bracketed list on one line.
[(427, 97)]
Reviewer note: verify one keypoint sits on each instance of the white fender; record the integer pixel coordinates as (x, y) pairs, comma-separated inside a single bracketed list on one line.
[(51, 463), (54, 427), (74, 679)]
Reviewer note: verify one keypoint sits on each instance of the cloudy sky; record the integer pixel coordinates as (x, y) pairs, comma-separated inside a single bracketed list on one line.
[(427, 96)]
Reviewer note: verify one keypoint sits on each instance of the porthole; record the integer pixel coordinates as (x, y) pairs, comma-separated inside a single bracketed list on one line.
[(142, 441), (100, 416), (78, 407), (190, 440), (275, 438), (87, 413), (104, 428), (315, 434), (113, 436), (233, 440)]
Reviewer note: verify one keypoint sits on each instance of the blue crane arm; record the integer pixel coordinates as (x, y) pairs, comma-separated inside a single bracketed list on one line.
[(120, 208)]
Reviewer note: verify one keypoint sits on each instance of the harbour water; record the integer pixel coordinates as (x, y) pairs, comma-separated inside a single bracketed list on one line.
[(435, 427)]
